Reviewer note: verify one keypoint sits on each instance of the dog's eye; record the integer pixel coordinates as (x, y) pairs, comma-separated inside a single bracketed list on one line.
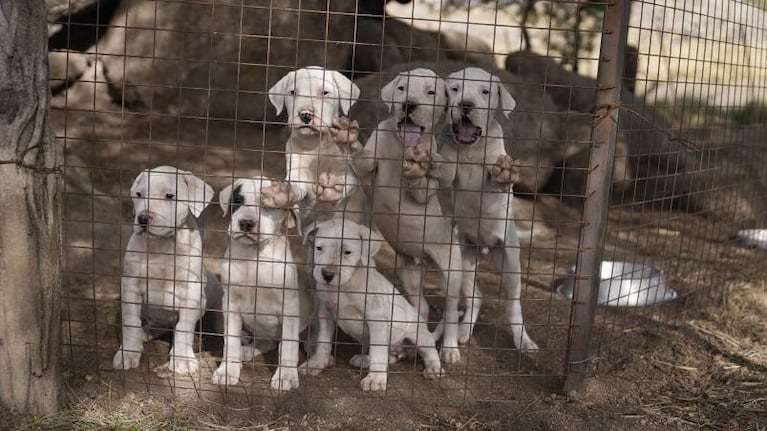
[(169, 196), (292, 92), (347, 252), (325, 93), (454, 89), (430, 92), (485, 91), (401, 88), (138, 194), (318, 248)]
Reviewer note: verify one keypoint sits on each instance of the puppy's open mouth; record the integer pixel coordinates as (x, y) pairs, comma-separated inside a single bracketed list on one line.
[(465, 132), (409, 132)]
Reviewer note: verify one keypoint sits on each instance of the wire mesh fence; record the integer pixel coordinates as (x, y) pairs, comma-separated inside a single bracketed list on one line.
[(664, 125)]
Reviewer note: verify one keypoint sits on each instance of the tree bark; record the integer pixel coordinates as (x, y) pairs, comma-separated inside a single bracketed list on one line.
[(30, 239)]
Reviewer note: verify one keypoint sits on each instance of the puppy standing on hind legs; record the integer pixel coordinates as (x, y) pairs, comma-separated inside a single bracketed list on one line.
[(482, 198), (262, 293), (406, 172), (163, 267), (318, 177)]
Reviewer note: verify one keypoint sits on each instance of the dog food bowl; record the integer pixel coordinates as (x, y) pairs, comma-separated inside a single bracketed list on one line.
[(625, 284), (753, 237)]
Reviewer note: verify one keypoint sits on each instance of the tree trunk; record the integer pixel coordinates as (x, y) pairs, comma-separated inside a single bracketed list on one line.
[(30, 240)]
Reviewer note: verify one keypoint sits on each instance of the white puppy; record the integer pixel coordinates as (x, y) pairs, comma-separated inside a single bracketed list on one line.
[(317, 168), (163, 265), (262, 293), (482, 198), (406, 172), (365, 305)]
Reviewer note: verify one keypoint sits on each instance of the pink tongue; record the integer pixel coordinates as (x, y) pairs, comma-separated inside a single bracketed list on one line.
[(410, 134), (466, 131)]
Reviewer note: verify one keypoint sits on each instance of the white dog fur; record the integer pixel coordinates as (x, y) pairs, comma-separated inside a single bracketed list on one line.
[(163, 265), (262, 293), (317, 168), (406, 172), (364, 304), (482, 197)]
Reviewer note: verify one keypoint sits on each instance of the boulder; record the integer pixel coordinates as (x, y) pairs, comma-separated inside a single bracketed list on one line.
[(196, 59)]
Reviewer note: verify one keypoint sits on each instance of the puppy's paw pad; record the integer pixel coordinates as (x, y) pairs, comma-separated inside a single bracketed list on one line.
[(285, 379), (183, 365), (329, 188), (344, 131), (374, 382), (227, 374), (505, 171), (450, 355), (360, 361), (314, 365), (126, 360), (277, 195), (433, 372), (416, 163)]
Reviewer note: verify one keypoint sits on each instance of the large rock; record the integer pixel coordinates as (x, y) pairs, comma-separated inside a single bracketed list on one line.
[(532, 135), (656, 163), (384, 42), (197, 59)]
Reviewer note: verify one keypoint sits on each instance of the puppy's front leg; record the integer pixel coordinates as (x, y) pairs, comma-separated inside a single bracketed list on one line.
[(228, 372), (129, 354), (379, 356), (182, 360), (364, 162), (321, 358), (286, 376)]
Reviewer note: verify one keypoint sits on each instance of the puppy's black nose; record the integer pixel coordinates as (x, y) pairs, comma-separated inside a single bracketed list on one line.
[(409, 106), (144, 219), (306, 117), (466, 106), (247, 225), (327, 275)]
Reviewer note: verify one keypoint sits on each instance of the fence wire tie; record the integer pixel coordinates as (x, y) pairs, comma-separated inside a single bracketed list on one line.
[(38, 169), (609, 108), (591, 359)]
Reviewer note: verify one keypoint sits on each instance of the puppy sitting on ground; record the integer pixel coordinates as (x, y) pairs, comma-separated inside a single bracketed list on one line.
[(365, 305), (163, 267), (261, 293), (406, 172), (318, 175), (482, 198)]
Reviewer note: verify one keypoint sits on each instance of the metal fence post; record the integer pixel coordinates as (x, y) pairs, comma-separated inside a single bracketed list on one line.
[(611, 59)]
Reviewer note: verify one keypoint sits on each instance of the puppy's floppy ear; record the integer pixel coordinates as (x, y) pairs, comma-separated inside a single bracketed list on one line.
[(387, 92), (309, 232), (225, 196), (347, 90), (138, 183), (200, 193), (506, 103), (279, 92), (291, 220), (371, 244)]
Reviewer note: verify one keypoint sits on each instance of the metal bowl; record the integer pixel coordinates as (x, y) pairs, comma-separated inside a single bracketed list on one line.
[(754, 237), (625, 284)]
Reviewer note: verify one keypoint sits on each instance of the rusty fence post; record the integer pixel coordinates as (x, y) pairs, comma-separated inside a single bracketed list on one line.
[(591, 243)]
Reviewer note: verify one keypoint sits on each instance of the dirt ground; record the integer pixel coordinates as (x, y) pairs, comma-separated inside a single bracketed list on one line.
[(699, 362)]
